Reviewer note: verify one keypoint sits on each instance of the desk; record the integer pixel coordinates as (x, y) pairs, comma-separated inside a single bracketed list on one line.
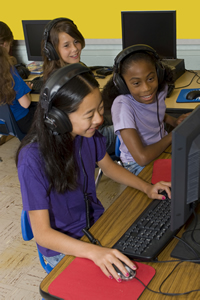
[(111, 226), (172, 106), (183, 80)]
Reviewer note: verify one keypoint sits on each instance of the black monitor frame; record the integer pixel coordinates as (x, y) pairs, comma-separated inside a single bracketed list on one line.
[(154, 28), (185, 169), (33, 34)]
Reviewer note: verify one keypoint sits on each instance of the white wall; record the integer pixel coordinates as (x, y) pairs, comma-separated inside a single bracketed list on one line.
[(103, 52)]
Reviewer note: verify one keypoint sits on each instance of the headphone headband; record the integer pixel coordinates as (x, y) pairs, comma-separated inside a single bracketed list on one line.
[(55, 119), (57, 80), (132, 49), (118, 79), (49, 50)]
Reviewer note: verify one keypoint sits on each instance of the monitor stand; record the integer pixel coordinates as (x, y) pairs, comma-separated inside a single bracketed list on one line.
[(182, 251), (176, 65)]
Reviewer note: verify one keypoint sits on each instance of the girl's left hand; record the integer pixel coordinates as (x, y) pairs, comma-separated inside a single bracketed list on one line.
[(153, 190), (30, 84), (181, 118)]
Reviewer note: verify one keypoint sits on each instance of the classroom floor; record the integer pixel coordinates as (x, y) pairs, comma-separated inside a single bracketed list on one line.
[(20, 269)]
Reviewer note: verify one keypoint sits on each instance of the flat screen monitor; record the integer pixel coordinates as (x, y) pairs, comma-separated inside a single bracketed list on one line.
[(154, 28), (185, 171), (33, 34)]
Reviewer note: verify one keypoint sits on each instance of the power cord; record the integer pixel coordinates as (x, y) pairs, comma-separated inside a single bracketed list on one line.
[(195, 75)]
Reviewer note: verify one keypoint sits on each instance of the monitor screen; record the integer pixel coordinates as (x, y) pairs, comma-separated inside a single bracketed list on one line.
[(154, 28), (185, 169), (33, 34)]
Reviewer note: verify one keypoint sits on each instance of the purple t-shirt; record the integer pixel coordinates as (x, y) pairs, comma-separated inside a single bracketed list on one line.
[(129, 113), (67, 211)]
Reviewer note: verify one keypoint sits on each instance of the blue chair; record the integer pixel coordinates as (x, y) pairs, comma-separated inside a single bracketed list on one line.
[(117, 145), (27, 235), (10, 126)]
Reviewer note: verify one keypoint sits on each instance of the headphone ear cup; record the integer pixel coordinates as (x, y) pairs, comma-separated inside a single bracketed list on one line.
[(57, 121), (50, 52), (120, 84), (160, 69)]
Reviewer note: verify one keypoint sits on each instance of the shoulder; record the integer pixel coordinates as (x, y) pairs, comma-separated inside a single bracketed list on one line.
[(29, 155), (163, 93)]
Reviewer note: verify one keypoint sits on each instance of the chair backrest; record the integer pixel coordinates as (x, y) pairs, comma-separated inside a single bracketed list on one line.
[(27, 235), (117, 145), (10, 126)]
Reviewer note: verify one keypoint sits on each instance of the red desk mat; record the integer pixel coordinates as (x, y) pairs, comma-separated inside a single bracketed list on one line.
[(83, 280), (161, 170)]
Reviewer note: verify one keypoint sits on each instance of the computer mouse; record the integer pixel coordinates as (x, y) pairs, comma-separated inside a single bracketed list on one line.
[(164, 193), (193, 95), (131, 272)]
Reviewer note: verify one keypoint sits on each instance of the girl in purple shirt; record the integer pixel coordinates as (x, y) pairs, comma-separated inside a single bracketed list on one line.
[(138, 88), (56, 167)]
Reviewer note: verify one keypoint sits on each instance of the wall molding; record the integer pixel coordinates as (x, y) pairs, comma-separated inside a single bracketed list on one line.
[(103, 51)]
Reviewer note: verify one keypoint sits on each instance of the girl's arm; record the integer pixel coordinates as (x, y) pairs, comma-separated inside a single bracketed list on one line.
[(143, 154), (52, 239), (175, 121), (121, 175), (25, 101)]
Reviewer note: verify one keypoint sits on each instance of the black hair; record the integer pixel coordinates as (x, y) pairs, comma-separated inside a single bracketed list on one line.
[(110, 91), (57, 151)]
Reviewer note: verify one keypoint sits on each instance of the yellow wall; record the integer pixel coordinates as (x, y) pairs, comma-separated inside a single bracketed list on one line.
[(98, 19)]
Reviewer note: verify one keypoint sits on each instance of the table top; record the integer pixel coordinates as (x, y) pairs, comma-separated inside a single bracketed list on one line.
[(180, 83), (112, 225)]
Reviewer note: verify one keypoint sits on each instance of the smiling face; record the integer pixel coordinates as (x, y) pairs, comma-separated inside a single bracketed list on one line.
[(88, 116), (69, 48), (142, 81)]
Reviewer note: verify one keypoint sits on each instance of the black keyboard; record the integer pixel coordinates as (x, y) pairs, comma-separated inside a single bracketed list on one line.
[(149, 234), (37, 85)]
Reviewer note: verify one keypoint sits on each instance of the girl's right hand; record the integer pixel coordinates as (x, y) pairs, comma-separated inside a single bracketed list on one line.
[(106, 257)]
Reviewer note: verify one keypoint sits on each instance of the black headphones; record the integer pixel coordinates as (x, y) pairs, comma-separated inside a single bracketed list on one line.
[(55, 119), (117, 78), (48, 49)]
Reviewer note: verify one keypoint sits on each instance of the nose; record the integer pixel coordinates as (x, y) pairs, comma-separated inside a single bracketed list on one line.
[(97, 119), (146, 86), (73, 47)]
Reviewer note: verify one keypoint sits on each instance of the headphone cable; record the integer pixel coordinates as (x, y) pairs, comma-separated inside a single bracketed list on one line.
[(87, 204)]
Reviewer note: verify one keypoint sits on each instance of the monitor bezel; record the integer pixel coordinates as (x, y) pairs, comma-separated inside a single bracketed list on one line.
[(171, 12), (183, 137), (26, 38)]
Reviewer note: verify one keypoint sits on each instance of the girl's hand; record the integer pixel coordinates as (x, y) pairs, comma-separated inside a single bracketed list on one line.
[(153, 190), (181, 118), (105, 258), (30, 84)]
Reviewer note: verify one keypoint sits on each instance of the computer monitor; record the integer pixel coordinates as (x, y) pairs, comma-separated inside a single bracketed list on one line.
[(154, 28), (185, 171), (33, 34)]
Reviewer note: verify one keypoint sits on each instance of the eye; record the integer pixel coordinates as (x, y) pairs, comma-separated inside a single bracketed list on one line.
[(101, 109), (90, 117)]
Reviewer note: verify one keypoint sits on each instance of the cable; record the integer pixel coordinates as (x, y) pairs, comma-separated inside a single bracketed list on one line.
[(87, 204), (159, 118), (195, 74)]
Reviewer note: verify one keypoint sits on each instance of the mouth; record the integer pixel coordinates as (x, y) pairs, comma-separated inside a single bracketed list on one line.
[(148, 97), (75, 56)]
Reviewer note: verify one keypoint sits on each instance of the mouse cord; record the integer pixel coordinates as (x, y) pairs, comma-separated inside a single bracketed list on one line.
[(195, 74), (163, 293), (87, 204)]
